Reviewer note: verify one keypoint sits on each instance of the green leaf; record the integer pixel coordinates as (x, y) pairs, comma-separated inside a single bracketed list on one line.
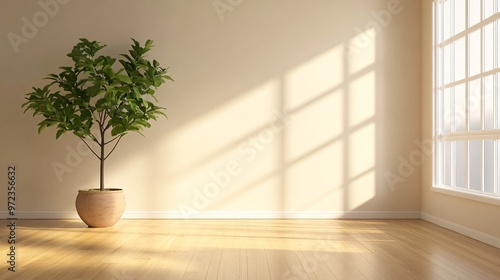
[(41, 128), (148, 45), (93, 91), (143, 123), (59, 133), (123, 78), (117, 130), (158, 81)]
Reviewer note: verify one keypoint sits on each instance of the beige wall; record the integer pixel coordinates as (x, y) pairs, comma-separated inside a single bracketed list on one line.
[(346, 74), (479, 220)]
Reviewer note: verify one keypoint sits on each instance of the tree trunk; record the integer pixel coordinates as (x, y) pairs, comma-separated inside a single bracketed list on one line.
[(101, 173)]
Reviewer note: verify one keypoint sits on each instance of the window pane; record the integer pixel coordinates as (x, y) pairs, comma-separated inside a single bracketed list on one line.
[(447, 111), (475, 165), (475, 105), (488, 47), (439, 67), (489, 104), (496, 94), (459, 16), (459, 59), (474, 12), (447, 65), (446, 20), (439, 163), (498, 42), (460, 106), (447, 164), (489, 163), (460, 164), (474, 53), (488, 8), (440, 111), (438, 23)]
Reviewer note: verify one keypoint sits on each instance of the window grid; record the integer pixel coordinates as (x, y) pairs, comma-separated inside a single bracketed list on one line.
[(449, 139)]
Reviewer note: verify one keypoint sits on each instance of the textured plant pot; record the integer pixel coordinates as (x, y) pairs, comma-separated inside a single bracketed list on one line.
[(100, 209)]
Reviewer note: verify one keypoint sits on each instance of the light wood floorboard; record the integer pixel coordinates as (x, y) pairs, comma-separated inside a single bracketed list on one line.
[(245, 249)]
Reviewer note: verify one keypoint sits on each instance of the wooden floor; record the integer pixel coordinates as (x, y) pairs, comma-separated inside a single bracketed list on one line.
[(245, 249)]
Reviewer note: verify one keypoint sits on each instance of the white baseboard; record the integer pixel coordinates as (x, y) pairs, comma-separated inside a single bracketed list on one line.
[(472, 233), (225, 215), (271, 215)]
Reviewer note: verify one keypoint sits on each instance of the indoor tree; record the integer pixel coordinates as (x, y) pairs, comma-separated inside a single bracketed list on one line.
[(99, 100)]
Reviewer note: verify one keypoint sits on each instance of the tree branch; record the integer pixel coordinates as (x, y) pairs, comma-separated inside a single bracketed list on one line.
[(116, 144), (99, 121), (105, 117), (96, 118), (95, 139), (90, 148), (112, 140), (107, 127), (104, 128)]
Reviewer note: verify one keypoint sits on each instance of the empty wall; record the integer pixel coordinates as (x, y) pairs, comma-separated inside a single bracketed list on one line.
[(279, 108)]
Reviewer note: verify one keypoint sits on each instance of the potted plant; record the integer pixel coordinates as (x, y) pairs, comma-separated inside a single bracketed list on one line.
[(100, 101)]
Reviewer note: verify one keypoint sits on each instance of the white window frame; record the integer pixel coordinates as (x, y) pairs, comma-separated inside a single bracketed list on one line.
[(440, 137)]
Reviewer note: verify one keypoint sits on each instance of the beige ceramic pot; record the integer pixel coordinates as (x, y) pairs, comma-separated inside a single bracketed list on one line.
[(100, 209)]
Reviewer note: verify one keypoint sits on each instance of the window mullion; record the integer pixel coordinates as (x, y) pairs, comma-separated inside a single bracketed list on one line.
[(481, 9)]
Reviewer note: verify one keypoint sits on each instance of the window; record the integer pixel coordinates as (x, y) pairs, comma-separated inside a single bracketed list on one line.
[(466, 96)]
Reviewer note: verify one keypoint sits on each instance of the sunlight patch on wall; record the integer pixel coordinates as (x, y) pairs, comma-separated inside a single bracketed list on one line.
[(360, 184), (362, 99), (221, 130), (314, 78), (330, 145), (258, 164), (361, 150), (361, 190), (322, 158), (321, 172), (364, 54), (315, 125)]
